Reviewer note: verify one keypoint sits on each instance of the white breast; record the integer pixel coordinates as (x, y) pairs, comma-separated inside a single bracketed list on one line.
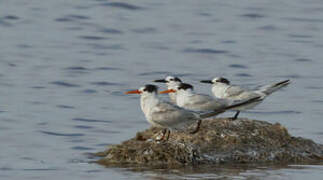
[(219, 91), (172, 97), (181, 100), (147, 104)]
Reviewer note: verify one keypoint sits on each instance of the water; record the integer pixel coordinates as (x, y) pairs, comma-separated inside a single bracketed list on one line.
[(65, 65)]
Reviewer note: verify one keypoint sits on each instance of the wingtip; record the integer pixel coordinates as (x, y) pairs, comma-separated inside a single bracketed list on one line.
[(285, 82)]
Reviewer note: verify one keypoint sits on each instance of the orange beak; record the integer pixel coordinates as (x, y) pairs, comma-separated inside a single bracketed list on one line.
[(167, 91), (133, 92)]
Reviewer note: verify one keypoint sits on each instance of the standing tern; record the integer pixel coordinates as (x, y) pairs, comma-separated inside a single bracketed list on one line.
[(169, 116), (171, 83), (221, 88), (164, 114)]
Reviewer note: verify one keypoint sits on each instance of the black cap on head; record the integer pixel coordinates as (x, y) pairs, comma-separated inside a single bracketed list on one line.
[(177, 79), (185, 86), (150, 88), (223, 80)]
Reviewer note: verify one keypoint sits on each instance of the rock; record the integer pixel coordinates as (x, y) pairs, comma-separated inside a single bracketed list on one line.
[(219, 140)]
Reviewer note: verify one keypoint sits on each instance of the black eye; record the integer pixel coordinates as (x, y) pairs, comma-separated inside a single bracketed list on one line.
[(223, 80)]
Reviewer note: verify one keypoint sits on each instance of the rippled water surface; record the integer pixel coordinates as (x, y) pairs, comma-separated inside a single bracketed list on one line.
[(65, 64)]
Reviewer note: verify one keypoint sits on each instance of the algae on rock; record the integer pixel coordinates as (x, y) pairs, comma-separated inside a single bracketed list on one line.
[(219, 140)]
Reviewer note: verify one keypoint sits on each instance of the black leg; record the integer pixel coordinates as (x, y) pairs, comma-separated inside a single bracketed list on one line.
[(164, 133), (236, 115), (168, 135), (197, 127)]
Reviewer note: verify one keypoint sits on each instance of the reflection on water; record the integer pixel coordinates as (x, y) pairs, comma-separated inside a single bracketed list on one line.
[(241, 171), (65, 66)]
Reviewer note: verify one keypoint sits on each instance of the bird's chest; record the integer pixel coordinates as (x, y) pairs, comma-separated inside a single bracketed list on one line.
[(172, 97), (180, 101), (147, 105), (219, 91)]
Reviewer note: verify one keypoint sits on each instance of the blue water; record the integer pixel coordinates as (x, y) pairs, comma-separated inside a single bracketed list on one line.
[(64, 66)]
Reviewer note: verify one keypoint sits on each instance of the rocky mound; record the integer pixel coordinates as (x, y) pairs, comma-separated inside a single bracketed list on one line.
[(219, 140)]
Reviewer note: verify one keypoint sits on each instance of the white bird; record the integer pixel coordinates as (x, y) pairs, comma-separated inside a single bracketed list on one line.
[(167, 115), (188, 99), (221, 88), (171, 83)]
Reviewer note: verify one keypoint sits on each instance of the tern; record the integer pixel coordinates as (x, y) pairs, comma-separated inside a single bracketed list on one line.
[(188, 99), (171, 83), (221, 88), (169, 116)]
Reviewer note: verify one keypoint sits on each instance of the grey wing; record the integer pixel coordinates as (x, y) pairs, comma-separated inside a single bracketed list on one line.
[(233, 91), (169, 115), (204, 102), (238, 93)]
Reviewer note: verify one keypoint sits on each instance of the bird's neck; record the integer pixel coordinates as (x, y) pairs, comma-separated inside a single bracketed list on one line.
[(148, 101), (188, 93), (183, 97), (219, 90), (223, 85)]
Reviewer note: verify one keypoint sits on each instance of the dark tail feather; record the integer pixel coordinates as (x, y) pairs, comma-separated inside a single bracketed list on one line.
[(274, 87), (219, 111), (210, 114), (249, 101), (283, 82)]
